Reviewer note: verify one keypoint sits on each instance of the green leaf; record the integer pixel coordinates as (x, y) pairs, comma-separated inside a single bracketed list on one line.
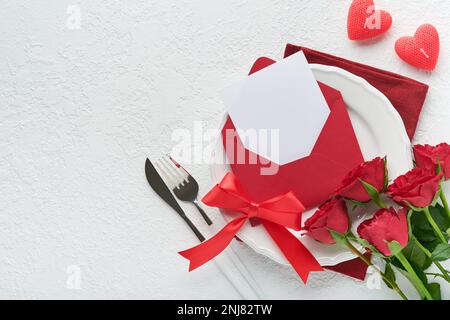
[(448, 232), (435, 290), (423, 231), (416, 256), (389, 274), (370, 190), (431, 245), (395, 247), (440, 216), (441, 253), (420, 273), (421, 228), (338, 237), (395, 262), (422, 276)]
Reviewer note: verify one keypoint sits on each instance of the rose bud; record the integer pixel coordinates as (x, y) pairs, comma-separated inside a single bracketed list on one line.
[(417, 188), (385, 226), (428, 157), (372, 172), (332, 215)]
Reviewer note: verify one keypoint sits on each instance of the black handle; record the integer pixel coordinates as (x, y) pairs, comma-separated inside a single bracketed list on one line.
[(193, 228), (203, 213)]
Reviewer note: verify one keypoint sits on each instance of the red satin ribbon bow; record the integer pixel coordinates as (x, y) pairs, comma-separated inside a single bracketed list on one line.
[(275, 214)]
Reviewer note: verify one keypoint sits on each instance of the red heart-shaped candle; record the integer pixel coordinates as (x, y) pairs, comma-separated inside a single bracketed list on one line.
[(422, 50), (364, 22)]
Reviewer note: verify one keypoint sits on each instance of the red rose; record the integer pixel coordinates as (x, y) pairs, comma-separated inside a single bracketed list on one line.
[(332, 215), (427, 157), (372, 172), (417, 187), (385, 226)]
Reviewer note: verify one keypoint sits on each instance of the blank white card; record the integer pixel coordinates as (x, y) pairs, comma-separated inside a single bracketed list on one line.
[(283, 98)]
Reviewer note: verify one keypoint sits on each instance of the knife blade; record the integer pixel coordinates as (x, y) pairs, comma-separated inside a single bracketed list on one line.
[(159, 186)]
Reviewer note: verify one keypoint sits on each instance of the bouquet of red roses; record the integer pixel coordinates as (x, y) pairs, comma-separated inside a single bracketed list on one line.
[(411, 227)]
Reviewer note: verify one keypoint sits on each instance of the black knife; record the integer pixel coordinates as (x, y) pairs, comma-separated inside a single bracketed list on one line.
[(160, 187)]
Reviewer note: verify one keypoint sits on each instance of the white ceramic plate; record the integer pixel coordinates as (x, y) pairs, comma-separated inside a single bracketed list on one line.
[(380, 132)]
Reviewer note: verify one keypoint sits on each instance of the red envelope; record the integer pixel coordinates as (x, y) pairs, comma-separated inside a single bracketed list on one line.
[(314, 178)]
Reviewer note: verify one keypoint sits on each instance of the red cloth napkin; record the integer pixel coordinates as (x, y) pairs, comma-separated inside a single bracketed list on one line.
[(355, 268), (406, 95)]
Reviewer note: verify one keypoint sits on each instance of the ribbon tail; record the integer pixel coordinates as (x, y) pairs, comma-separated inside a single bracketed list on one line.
[(295, 252), (209, 249)]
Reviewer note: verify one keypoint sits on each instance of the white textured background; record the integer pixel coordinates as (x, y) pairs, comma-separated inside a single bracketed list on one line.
[(80, 109)]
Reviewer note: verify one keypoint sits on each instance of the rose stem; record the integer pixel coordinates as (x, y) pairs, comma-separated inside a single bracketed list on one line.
[(425, 250), (414, 277), (370, 264), (434, 225), (428, 254), (379, 202), (444, 202)]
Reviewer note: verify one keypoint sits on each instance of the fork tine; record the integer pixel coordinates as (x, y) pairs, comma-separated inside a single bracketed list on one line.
[(176, 178), (177, 171), (170, 179), (178, 166)]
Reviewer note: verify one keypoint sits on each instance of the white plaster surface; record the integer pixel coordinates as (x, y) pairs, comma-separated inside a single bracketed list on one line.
[(81, 109)]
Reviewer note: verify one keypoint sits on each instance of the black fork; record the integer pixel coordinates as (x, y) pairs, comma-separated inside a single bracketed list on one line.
[(184, 185)]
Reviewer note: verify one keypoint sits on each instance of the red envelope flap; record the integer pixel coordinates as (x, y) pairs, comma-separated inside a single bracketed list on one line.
[(313, 179)]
